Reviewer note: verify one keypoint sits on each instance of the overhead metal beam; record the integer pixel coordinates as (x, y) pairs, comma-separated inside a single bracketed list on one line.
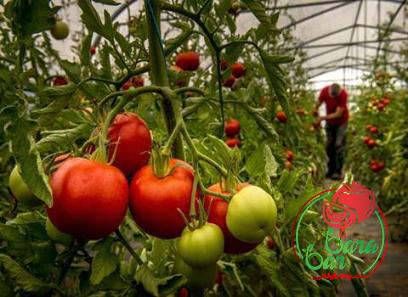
[(354, 25), (308, 4), (382, 49), (349, 43), (393, 17), (346, 66), (319, 13), (396, 30), (324, 53), (331, 70)]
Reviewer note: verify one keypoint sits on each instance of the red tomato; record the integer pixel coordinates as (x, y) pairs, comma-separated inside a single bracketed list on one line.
[(374, 130), (233, 142), (220, 278), (217, 215), (229, 82), (385, 101), (90, 198), (183, 292), (237, 70), (380, 106), (59, 81), (371, 143), (377, 166), (232, 127), (281, 116), (130, 137), (366, 139), (92, 51), (154, 201), (290, 155), (126, 86), (368, 127), (175, 68), (188, 60), (224, 64), (138, 81), (270, 243)]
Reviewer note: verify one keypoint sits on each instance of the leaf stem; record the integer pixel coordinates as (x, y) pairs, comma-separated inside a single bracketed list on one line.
[(129, 248)]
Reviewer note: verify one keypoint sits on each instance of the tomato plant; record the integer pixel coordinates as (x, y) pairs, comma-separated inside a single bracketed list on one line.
[(154, 101)]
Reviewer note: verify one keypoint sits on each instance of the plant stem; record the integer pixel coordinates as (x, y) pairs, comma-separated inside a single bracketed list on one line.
[(129, 248), (190, 89), (158, 71)]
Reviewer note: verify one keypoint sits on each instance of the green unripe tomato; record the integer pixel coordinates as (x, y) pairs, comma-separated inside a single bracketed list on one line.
[(20, 189), (55, 235), (201, 247), (251, 214), (197, 278), (60, 30)]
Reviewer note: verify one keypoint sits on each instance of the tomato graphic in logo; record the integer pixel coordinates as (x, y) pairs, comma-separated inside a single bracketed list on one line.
[(351, 203)]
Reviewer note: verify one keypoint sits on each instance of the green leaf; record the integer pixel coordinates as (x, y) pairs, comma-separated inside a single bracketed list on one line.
[(23, 278), (27, 156), (233, 52), (276, 78), (174, 43), (261, 121), (222, 8), (261, 161), (259, 10), (124, 45), (288, 180), (57, 92), (29, 17), (85, 54), (273, 271), (72, 70), (92, 20), (107, 2), (104, 263), (159, 286)]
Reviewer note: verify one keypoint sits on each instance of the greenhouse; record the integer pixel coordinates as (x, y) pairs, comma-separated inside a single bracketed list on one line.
[(204, 148)]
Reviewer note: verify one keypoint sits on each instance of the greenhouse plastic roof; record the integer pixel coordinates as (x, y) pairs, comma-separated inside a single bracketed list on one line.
[(340, 37)]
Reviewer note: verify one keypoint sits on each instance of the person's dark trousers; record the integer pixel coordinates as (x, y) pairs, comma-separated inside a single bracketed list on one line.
[(335, 147)]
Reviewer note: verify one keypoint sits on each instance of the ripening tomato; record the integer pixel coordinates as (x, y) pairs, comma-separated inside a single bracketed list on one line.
[(59, 81), (20, 190), (216, 209), (183, 292), (197, 278), (281, 116), (229, 82), (374, 130), (368, 127), (92, 51), (90, 198), (188, 61), (232, 127), (290, 155), (380, 106), (270, 243), (385, 101), (201, 247), (154, 200), (60, 30), (127, 85), (288, 164), (56, 235), (233, 142), (371, 143), (129, 135), (251, 214), (366, 139), (138, 81), (237, 70), (300, 111)]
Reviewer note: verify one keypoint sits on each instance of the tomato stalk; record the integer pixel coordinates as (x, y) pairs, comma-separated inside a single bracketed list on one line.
[(158, 72)]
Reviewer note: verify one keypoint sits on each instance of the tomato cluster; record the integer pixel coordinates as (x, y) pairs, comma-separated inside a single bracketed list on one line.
[(237, 71), (232, 128)]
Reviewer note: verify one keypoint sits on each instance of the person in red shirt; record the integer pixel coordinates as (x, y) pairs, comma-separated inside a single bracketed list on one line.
[(336, 119)]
